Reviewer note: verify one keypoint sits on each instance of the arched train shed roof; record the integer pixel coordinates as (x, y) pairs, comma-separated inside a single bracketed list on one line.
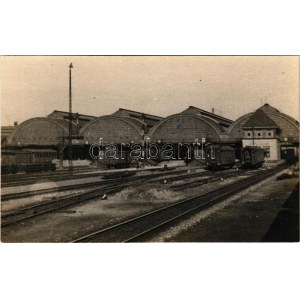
[(112, 130), (38, 132), (186, 128), (289, 127)]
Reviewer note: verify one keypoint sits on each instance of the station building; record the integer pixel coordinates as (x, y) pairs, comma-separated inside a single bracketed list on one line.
[(189, 131), (192, 123), (266, 127), (123, 126)]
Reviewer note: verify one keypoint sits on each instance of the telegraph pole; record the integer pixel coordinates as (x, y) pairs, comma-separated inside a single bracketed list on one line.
[(70, 121)]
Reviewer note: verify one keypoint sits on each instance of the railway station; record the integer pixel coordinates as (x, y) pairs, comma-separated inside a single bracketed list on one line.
[(161, 127), (267, 127), (130, 176)]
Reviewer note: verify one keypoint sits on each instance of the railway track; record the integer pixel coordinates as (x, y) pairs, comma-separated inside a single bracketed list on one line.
[(108, 186), (24, 194), (143, 227), (28, 212), (41, 179), (26, 179), (57, 203), (167, 175), (202, 174), (207, 179), (11, 178)]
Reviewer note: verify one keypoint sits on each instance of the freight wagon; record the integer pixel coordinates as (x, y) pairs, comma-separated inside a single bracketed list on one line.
[(252, 157), (219, 156)]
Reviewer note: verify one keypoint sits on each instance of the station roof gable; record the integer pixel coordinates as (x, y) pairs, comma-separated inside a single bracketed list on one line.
[(260, 120), (217, 118), (149, 120)]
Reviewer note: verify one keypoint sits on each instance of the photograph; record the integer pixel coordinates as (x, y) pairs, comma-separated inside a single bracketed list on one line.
[(149, 149)]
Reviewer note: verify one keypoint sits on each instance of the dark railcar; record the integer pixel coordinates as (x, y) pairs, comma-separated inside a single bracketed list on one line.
[(218, 157), (288, 154), (120, 161), (27, 160), (252, 157), (117, 157)]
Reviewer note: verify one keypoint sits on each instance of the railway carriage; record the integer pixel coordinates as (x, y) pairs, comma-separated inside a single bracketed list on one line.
[(27, 160)]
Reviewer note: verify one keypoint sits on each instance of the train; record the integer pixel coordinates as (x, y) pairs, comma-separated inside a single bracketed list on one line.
[(219, 156), (27, 160), (289, 154), (122, 161), (223, 156), (115, 157), (215, 157), (252, 157)]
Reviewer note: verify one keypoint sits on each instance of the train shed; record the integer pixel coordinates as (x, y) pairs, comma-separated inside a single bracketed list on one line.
[(78, 120), (221, 121), (148, 120), (188, 126), (112, 130), (188, 134), (269, 128), (38, 132)]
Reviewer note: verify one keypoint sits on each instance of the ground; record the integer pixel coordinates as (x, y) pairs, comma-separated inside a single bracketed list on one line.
[(268, 212), (246, 217)]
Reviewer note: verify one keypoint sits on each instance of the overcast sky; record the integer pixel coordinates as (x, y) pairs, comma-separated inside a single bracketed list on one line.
[(161, 85)]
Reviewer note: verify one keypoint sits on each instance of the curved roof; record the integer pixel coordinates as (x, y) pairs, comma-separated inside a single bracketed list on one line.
[(38, 131), (289, 127), (137, 122), (112, 130), (186, 128), (224, 122)]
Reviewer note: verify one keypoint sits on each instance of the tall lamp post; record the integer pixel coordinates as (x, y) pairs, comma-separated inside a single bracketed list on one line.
[(70, 120)]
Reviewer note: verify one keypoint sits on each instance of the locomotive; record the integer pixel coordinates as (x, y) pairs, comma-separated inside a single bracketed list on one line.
[(219, 156), (252, 157), (27, 160)]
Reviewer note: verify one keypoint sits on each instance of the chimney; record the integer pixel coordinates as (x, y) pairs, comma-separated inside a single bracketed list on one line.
[(213, 110), (16, 123)]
